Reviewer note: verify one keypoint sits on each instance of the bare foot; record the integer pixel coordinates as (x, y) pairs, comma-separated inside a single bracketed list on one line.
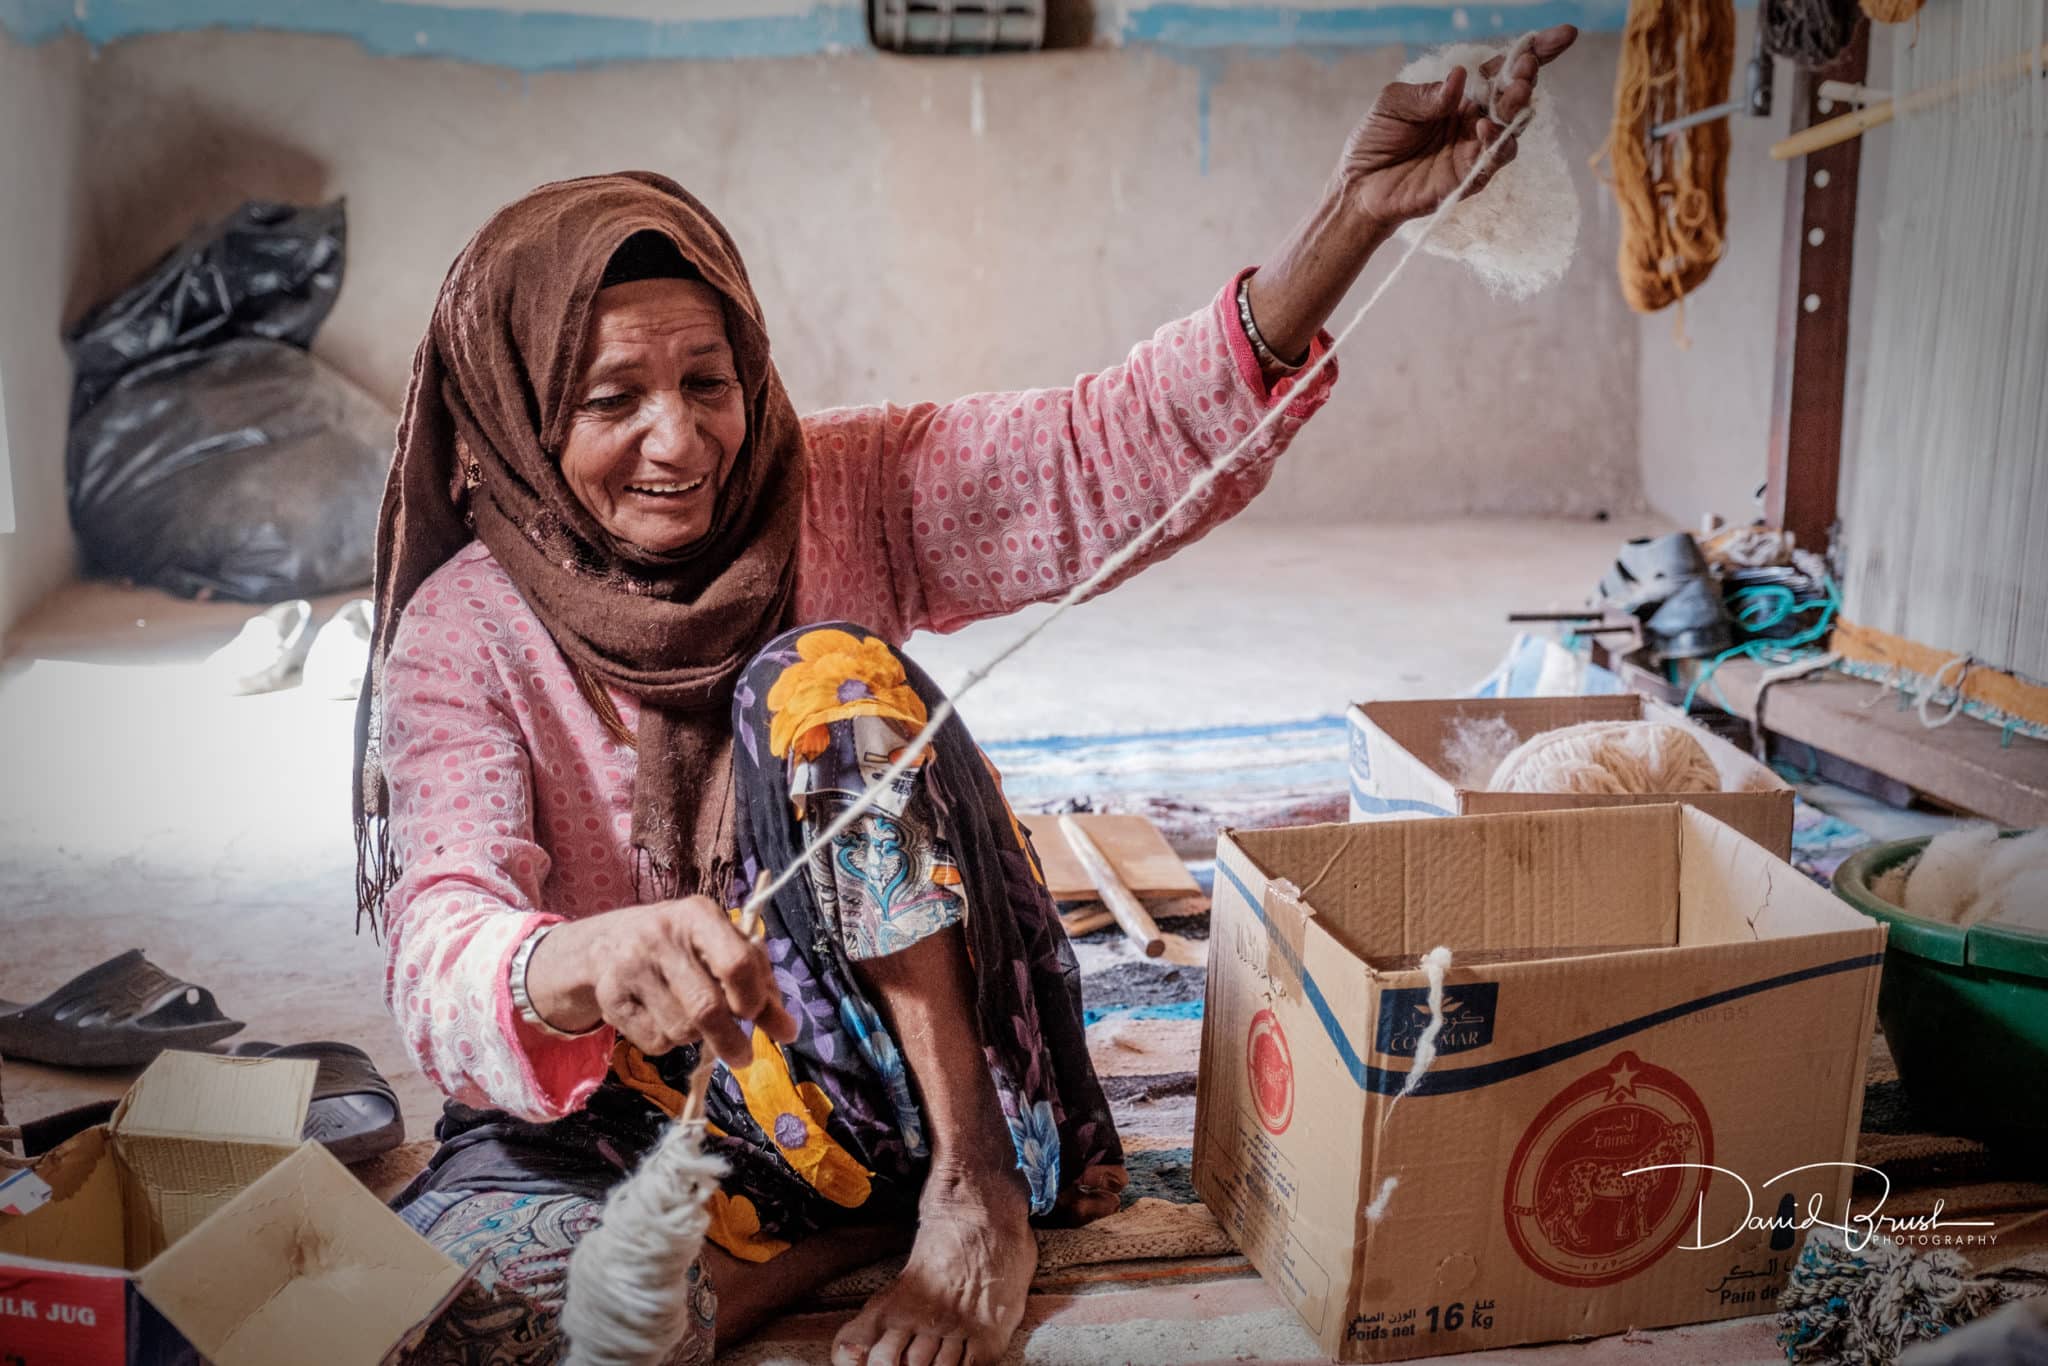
[(961, 1295)]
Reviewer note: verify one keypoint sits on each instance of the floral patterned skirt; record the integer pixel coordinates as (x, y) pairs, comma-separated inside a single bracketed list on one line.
[(826, 1130)]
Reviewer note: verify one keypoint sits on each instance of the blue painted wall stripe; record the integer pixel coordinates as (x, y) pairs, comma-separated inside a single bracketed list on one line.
[(537, 40)]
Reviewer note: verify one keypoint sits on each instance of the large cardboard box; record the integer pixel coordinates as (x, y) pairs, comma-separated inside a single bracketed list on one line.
[(195, 1224), (1653, 1030), (1400, 769)]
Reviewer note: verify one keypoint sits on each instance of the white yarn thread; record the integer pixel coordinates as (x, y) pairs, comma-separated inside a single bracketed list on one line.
[(631, 1288), (1436, 965), (913, 752), (1519, 237), (628, 1301), (1620, 758)]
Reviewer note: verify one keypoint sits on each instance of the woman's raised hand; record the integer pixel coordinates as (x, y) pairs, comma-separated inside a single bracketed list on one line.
[(1420, 141), (663, 975)]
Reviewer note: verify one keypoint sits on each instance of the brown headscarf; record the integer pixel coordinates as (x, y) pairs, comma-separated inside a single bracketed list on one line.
[(493, 390)]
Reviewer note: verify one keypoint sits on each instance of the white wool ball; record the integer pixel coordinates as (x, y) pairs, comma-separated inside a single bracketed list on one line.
[(1616, 758), (1943, 882), (1518, 236)]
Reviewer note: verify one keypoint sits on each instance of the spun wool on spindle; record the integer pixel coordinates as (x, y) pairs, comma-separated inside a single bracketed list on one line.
[(1865, 1306), (1676, 57), (628, 1299), (1519, 237), (1619, 758)]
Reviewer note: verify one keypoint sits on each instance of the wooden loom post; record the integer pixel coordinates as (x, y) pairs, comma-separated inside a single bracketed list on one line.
[(1805, 462)]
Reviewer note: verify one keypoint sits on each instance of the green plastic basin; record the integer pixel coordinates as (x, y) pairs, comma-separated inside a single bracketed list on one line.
[(1964, 1011)]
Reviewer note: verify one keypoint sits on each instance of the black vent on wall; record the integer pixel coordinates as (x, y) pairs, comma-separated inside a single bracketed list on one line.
[(957, 26)]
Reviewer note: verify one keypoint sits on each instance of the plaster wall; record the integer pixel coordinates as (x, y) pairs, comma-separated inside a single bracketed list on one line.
[(40, 95), (918, 228)]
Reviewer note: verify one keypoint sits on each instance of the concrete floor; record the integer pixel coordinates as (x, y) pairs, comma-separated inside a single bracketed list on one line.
[(142, 808)]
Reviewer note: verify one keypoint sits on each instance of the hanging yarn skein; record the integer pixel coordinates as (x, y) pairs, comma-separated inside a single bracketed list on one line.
[(1617, 758), (631, 1319), (1520, 236), (1892, 11), (1676, 57)]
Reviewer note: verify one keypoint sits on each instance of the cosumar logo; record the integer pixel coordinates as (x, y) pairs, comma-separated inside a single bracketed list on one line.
[(1469, 1013)]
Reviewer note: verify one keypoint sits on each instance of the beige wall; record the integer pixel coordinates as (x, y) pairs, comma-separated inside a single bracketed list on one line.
[(916, 228), (39, 130)]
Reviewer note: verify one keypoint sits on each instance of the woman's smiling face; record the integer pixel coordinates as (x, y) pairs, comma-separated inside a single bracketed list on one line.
[(659, 413)]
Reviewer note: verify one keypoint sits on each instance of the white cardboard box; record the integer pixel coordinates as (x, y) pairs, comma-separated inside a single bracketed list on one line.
[(195, 1223), (1399, 768), (1633, 988)]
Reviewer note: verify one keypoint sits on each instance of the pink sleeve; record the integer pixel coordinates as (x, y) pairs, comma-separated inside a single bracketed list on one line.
[(469, 890), (933, 516)]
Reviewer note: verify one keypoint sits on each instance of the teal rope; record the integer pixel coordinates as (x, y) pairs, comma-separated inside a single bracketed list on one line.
[(1759, 609)]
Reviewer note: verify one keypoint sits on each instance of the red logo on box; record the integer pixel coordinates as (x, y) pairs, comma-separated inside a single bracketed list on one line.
[(1581, 1208), (1272, 1072)]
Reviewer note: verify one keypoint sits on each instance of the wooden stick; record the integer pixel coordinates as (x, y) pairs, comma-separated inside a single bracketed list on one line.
[(699, 1093), (1086, 920), (1856, 124), (1130, 913)]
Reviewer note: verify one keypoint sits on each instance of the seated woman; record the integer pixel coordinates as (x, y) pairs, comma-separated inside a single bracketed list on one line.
[(637, 639)]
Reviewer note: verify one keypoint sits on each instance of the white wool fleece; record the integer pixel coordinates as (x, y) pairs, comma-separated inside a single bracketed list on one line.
[(1518, 235)]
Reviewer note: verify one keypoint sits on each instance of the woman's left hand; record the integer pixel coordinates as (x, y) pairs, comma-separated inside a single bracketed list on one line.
[(1419, 142), (1414, 148)]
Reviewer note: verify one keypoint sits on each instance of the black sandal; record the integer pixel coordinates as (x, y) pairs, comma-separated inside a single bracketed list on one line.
[(120, 1014), (354, 1113)]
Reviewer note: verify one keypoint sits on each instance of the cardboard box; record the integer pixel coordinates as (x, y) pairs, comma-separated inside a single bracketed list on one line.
[(1636, 987), (195, 1223), (1399, 768)]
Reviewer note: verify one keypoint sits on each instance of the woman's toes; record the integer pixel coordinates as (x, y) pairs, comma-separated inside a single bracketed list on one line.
[(888, 1349), (924, 1350), (952, 1352), (851, 1346)]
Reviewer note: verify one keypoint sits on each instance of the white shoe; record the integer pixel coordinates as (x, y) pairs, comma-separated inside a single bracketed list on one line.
[(269, 652), (341, 652)]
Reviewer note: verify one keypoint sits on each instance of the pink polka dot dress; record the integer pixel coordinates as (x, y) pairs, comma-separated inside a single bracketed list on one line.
[(511, 806)]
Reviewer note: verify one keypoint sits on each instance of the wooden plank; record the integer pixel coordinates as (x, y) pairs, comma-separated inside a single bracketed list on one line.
[(1818, 254), (1142, 858), (1962, 764)]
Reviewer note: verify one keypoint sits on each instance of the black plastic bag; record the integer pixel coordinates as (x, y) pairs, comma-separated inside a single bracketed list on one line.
[(246, 470), (268, 270), (209, 453)]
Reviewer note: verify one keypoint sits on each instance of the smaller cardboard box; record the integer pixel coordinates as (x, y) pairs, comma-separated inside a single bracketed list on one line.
[(1650, 1072), (1400, 765), (195, 1225)]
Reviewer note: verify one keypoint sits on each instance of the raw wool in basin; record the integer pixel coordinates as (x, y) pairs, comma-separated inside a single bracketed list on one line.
[(1971, 876), (1618, 758), (1943, 881), (1475, 749), (1518, 237)]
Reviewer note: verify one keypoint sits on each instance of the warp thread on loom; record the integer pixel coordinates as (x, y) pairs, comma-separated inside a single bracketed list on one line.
[(1676, 56), (623, 1315)]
